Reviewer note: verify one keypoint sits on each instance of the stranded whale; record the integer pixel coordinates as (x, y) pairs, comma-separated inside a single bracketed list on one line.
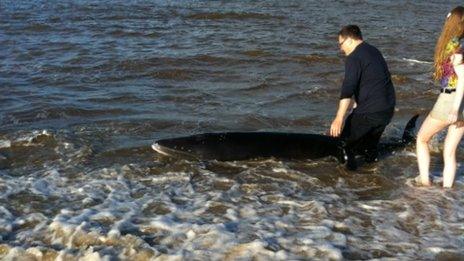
[(228, 146)]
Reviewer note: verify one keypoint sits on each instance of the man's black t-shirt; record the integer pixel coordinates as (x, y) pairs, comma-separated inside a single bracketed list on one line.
[(368, 79)]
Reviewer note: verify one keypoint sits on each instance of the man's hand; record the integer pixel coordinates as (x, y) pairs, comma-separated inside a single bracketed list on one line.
[(337, 124), (336, 127)]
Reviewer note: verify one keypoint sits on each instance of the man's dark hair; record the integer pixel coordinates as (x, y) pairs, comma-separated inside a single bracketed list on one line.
[(351, 31)]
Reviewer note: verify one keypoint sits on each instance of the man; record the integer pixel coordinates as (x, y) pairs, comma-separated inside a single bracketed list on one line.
[(367, 80)]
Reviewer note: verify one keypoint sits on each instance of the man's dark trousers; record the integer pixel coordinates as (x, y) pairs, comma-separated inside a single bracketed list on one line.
[(361, 135)]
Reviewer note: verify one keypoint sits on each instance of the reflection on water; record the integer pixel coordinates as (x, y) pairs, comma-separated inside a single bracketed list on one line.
[(89, 85)]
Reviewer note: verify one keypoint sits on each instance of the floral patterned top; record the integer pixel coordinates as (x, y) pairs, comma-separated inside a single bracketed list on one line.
[(450, 79)]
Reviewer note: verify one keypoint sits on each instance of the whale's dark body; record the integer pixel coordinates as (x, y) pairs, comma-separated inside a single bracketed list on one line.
[(228, 146), (245, 145)]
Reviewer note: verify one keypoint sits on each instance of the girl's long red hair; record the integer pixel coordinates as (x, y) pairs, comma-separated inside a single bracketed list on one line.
[(453, 27)]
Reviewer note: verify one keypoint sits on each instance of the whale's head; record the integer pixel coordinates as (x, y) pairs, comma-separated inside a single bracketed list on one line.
[(185, 147)]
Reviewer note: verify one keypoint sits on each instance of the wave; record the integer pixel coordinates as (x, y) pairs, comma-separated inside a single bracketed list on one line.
[(174, 74), (203, 58), (122, 98), (38, 114), (416, 61), (27, 138), (142, 65), (256, 53), (258, 87), (37, 27), (5, 144), (125, 33), (232, 15), (400, 79), (317, 58)]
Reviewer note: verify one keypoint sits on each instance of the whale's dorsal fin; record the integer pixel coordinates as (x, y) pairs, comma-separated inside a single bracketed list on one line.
[(408, 134)]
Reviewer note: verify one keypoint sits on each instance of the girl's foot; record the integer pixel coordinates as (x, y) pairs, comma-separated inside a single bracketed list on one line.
[(419, 182)]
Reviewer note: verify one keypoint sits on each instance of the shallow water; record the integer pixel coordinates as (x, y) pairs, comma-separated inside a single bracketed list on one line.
[(89, 85)]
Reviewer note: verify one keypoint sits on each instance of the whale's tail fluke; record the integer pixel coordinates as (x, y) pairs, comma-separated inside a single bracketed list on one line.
[(408, 134)]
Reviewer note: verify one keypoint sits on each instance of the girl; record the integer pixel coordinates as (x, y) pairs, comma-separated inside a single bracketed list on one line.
[(448, 109)]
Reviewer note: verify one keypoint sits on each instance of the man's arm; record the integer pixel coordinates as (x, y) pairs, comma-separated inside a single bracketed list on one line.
[(337, 123), (350, 83)]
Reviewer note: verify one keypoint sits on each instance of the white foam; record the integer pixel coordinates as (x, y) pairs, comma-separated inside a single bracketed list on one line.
[(435, 250), (416, 61), (282, 170), (368, 207), (5, 144), (6, 221), (122, 213), (90, 255), (30, 137), (42, 187), (171, 177), (247, 212), (15, 253)]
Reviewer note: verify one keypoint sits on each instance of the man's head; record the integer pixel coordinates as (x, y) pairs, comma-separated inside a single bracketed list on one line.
[(349, 38)]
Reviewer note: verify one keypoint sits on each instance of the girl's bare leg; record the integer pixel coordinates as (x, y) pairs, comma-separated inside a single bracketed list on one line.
[(429, 127), (453, 137)]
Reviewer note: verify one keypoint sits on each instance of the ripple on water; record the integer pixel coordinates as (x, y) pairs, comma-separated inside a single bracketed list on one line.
[(232, 15)]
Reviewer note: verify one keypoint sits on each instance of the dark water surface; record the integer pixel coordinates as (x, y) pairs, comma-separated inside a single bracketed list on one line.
[(87, 86)]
